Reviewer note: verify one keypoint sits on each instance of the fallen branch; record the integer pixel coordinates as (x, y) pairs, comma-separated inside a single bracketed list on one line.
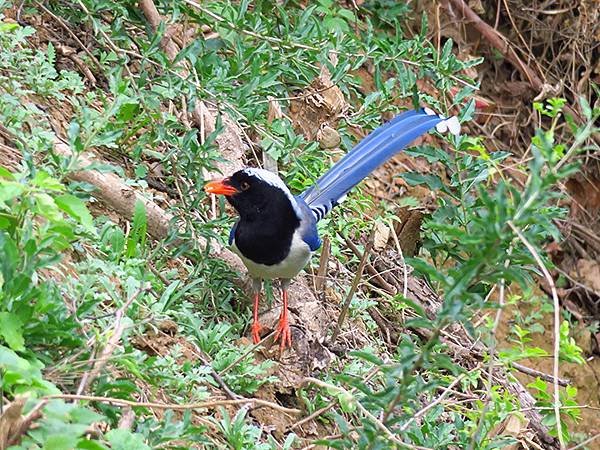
[(114, 192)]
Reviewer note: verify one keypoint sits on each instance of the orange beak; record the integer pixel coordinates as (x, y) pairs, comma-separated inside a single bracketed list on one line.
[(220, 187)]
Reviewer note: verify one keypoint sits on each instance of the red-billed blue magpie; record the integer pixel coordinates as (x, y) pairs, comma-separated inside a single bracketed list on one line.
[(277, 231)]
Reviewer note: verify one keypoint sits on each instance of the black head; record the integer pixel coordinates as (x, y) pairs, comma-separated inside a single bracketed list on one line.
[(255, 194)]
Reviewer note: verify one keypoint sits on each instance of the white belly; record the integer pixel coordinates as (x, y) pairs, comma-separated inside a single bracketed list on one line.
[(288, 268)]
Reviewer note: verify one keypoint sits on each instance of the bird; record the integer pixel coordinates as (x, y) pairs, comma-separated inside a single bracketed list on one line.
[(276, 231)]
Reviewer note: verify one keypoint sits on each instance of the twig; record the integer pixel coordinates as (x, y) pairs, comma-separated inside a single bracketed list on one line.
[(502, 44), (498, 41), (404, 270), (447, 390), (586, 442), (205, 360), (251, 349), (326, 408), (353, 287), (113, 341), (372, 270), (176, 406), (391, 436), (550, 282), (321, 277), (72, 34), (536, 373)]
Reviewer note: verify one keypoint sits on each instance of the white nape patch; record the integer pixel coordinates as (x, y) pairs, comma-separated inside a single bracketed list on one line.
[(271, 178), (429, 111), (451, 124)]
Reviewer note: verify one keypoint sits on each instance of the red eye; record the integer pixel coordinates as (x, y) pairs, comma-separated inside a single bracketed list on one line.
[(245, 186)]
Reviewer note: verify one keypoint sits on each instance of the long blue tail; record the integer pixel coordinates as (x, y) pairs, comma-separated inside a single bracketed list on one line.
[(375, 149)]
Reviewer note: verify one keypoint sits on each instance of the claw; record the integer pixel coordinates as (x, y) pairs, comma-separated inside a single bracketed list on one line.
[(256, 329)]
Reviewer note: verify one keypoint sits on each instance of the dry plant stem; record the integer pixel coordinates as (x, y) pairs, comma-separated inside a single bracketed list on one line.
[(374, 273), (353, 287), (492, 351), (391, 436), (496, 39), (586, 442), (72, 34), (205, 360), (321, 277), (326, 408), (404, 269), (536, 373), (447, 390), (113, 341), (251, 349), (555, 368), (176, 406), (500, 43)]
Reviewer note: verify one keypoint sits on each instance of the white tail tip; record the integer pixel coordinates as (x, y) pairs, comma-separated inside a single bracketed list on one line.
[(451, 125)]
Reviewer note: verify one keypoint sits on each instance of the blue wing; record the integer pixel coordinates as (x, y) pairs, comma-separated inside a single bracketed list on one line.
[(308, 226), (232, 232), (375, 149)]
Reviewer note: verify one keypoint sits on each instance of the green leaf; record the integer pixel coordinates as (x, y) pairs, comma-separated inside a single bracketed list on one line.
[(5, 173), (11, 329), (433, 182), (10, 190), (125, 440), (8, 27), (86, 444), (75, 207), (347, 402), (62, 441), (45, 181)]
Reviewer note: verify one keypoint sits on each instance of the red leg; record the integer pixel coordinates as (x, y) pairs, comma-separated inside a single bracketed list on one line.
[(256, 327), (283, 326)]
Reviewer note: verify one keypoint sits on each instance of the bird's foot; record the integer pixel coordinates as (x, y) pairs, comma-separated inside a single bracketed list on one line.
[(283, 331), (256, 329)]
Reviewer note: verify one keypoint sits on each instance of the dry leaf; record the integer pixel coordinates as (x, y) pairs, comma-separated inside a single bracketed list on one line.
[(382, 235), (589, 273)]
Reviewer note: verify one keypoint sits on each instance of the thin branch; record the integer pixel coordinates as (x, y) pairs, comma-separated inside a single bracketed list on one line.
[(447, 390), (372, 270), (113, 341), (536, 373), (404, 269), (175, 406), (586, 442), (556, 302), (391, 436), (503, 45), (326, 408), (353, 287)]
